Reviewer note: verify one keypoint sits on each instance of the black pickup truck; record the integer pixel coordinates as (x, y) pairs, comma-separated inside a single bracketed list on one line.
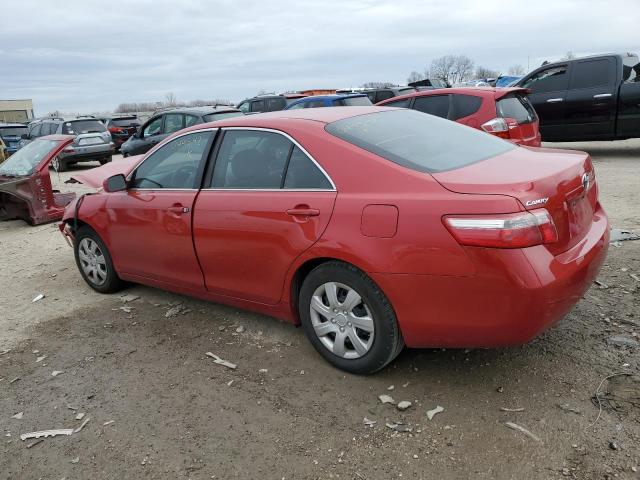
[(590, 98)]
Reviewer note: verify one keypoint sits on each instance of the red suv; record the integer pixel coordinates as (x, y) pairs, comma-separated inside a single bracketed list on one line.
[(503, 112)]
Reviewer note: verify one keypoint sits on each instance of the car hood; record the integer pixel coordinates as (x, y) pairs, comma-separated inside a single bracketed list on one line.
[(96, 176)]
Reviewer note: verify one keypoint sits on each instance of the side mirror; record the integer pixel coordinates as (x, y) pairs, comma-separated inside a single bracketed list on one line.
[(24, 136), (115, 183)]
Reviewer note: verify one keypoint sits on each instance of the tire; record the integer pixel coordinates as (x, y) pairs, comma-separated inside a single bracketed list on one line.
[(106, 160), (104, 279), (367, 337), (125, 154), (59, 165)]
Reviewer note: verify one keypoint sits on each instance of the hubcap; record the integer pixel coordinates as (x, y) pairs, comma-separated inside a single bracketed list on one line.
[(92, 261), (342, 320)]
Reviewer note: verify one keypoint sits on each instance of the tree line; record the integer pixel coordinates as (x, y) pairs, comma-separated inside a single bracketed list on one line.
[(170, 101)]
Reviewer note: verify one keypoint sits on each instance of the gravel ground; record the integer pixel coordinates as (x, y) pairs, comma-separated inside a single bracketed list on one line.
[(158, 407)]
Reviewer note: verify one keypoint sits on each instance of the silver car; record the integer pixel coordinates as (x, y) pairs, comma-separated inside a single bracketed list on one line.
[(92, 143)]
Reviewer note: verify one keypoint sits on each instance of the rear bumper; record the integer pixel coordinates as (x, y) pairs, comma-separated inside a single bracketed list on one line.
[(515, 295), (531, 142), (86, 154)]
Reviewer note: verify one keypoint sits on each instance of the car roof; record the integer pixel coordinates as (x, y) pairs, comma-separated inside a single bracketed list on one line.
[(205, 110), (488, 92)]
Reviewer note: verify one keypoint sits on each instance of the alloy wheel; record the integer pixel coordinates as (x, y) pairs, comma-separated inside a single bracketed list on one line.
[(342, 320)]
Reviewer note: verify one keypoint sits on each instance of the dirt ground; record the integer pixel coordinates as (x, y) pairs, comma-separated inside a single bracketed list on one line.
[(158, 407)]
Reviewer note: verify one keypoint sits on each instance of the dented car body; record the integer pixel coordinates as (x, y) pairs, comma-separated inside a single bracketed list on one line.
[(26, 191)]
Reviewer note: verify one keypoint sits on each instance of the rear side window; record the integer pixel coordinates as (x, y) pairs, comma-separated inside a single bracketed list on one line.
[(83, 126), (372, 97), (257, 106), (275, 104), (173, 122), (592, 73), (551, 79), (517, 107), (437, 105), (302, 173), (463, 106), (420, 142)]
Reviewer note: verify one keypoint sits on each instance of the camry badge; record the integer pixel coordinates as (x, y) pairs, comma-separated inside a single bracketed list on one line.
[(539, 201)]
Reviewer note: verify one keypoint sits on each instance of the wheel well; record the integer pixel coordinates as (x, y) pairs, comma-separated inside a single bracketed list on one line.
[(301, 274)]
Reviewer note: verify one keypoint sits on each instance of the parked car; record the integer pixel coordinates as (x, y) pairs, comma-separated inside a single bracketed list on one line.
[(503, 112), (92, 140), (590, 98), (367, 225), (11, 134), (25, 183), (349, 100), (506, 80), (163, 124), (121, 128), (268, 103), (379, 94), (3, 151)]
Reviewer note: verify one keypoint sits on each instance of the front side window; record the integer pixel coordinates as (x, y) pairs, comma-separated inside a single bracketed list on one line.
[(251, 159), (552, 79), (173, 122), (153, 127), (437, 105), (420, 142), (174, 165), (244, 107)]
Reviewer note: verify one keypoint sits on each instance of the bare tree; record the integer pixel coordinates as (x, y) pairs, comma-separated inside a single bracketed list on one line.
[(482, 72), (378, 84), (516, 70), (568, 56), (170, 100), (452, 68), (415, 77)]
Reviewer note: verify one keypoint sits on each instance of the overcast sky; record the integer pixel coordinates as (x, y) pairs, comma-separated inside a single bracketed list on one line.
[(88, 56)]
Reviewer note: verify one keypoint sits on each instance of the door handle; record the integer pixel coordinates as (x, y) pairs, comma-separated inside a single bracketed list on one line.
[(178, 209), (603, 95), (303, 211), (555, 100)]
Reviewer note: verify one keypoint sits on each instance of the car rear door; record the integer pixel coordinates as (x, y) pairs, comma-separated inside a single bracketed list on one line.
[(266, 203), (548, 94), (150, 222), (590, 105)]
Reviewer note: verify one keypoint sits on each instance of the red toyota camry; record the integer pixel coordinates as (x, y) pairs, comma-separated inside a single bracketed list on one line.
[(371, 227)]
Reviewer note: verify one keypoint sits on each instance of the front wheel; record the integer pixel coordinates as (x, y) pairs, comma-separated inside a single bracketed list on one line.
[(94, 262), (348, 319)]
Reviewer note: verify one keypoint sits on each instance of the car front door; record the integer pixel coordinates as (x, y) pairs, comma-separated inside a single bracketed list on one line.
[(150, 222), (548, 95), (590, 106), (266, 203)]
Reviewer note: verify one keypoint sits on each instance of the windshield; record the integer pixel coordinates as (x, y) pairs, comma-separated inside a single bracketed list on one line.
[(417, 140), (83, 126), (12, 131), (212, 117), (24, 160)]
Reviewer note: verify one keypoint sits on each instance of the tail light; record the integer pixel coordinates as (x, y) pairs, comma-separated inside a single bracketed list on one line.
[(511, 230), (116, 129), (499, 127)]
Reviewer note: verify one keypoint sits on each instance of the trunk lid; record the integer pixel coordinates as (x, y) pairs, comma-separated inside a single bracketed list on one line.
[(561, 181)]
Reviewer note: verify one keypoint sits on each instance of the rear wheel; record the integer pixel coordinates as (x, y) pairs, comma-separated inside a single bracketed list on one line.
[(348, 319), (94, 262)]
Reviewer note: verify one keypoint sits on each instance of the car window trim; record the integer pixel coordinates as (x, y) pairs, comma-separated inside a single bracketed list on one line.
[(201, 167), (287, 136)]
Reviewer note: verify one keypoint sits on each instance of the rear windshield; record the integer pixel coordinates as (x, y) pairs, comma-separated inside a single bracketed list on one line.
[(125, 122), (77, 127), (212, 117), (418, 141), (517, 107), (356, 101), (12, 131)]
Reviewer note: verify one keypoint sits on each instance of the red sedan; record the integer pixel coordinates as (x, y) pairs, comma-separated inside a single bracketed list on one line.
[(372, 227), (503, 112)]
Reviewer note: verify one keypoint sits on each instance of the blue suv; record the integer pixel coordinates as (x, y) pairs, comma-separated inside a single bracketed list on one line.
[(354, 100)]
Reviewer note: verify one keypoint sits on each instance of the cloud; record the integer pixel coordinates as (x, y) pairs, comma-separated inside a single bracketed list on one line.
[(90, 56)]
